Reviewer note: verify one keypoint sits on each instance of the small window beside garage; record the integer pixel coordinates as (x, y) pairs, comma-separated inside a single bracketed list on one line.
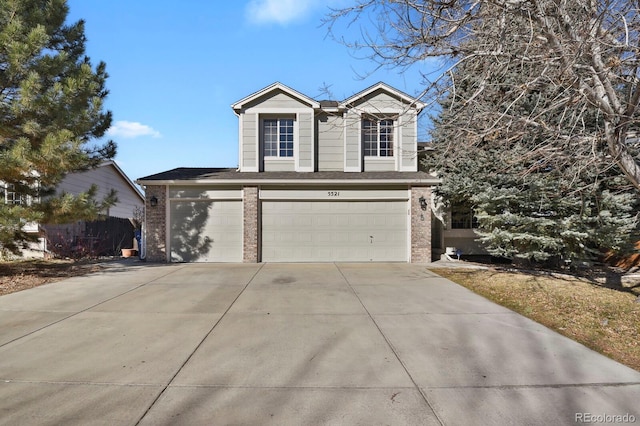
[(463, 216)]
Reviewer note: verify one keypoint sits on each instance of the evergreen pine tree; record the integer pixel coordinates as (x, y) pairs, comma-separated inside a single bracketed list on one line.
[(51, 113)]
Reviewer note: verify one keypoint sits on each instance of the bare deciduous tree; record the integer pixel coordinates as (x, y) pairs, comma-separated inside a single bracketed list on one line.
[(586, 51)]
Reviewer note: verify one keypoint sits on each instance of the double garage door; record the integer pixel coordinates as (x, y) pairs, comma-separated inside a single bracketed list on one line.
[(296, 226), (326, 231)]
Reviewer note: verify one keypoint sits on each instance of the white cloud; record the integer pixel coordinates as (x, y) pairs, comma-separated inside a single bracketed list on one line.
[(280, 11), (132, 129)]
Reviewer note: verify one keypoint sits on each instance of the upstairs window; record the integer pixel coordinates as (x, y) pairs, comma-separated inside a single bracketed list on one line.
[(377, 136), (278, 137)]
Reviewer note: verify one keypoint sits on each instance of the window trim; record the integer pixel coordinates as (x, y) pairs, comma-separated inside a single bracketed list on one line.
[(17, 198), (279, 143), (391, 131)]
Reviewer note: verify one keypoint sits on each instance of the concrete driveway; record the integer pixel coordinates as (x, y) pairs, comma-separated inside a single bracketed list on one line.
[(298, 344)]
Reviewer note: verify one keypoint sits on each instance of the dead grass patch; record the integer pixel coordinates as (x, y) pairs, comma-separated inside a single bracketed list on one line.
[(604, 319), (25, 274)]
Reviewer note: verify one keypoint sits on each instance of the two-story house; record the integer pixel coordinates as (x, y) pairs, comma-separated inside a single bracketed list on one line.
[(317, 181)]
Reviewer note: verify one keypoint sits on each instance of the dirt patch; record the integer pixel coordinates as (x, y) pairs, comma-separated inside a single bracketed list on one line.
[(626, 262), (602, 318), (25, 274)]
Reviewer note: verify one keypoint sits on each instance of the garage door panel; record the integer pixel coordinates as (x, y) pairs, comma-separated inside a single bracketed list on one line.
[(334, 231), (206, 231)]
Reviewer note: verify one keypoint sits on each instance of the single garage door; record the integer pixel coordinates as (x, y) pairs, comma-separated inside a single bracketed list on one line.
[(206, 231), (327, 231)]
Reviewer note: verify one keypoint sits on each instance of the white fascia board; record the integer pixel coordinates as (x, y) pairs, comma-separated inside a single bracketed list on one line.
[(333, 109), (265, 110)]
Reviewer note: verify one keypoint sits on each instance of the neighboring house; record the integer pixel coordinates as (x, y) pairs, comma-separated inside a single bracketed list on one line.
[(317, 181), (107, 176)]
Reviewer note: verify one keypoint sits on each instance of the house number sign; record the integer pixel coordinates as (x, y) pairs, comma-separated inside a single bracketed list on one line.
[(333, 193)]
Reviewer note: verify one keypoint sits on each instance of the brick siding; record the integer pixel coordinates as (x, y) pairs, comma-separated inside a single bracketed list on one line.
[(251, 216), (156, 222), (420, 226)]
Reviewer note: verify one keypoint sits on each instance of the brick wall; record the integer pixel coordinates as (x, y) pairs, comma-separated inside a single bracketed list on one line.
[(156, 223), (420, 226), (250, 220)]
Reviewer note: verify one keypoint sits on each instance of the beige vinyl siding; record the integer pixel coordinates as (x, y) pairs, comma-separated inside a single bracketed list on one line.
[(382, 104), (352, 142), (380, 101), (330, 142), (408, 141), (305, 141), (276, 100), (379, 164), (249, 141), (106, 177), (274, 164)]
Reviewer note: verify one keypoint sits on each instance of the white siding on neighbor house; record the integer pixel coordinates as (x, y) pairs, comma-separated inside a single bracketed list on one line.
[(330, 142), (106, 177)]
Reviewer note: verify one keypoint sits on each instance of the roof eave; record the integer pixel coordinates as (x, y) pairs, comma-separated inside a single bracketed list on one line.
[(293, 182)]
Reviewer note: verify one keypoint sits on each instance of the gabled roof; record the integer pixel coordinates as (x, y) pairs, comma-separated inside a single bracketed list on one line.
[(273, 87), (385, 87)]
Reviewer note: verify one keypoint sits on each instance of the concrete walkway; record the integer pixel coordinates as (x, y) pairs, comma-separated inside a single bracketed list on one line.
[(291, 344)]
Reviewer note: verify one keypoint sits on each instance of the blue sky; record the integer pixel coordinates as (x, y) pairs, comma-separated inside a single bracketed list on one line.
[(176, 67)]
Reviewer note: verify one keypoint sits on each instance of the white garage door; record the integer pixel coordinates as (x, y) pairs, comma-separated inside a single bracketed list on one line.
[(326, 231), (206, 231)]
